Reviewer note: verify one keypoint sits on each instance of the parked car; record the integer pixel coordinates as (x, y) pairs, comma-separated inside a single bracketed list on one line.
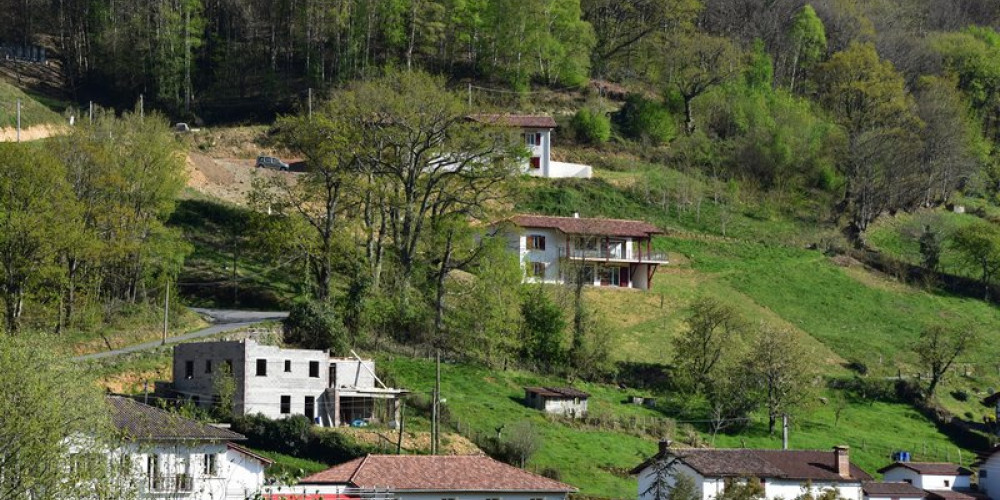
[(184, 128), (271, 162)]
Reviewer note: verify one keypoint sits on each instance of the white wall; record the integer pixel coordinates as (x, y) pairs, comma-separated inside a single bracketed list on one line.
[(989, 476), (926, 482), (774, 489), (559, 170), (237, 476), (554, 240), (566, 406)]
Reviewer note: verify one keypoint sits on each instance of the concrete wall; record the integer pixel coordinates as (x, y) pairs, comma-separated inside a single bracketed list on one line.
[(926, 482), (569, 407), (350, 372), (202, 385), (559, 170)]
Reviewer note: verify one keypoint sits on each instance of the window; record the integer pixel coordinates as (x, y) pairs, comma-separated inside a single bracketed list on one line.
[(310, 407), (536, 242), (314, 369), (947, 483), (261, 367), (538, 269), (189, 369), (533, 138), (208, 366), (288, 366), (153, 472), (535, 162), (210, 465), (286, 405)]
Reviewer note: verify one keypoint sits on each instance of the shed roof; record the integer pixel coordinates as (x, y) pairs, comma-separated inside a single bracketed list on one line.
[(787, 464), (146, 423), (435, 473), (555, 392), (588, 226), (513, 120)]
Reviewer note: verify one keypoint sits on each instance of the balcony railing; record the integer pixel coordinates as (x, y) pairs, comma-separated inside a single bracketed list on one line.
[(178, 483), (615, 253)]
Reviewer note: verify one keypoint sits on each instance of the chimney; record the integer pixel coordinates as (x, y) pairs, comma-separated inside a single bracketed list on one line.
[(843, 461), (665, 445), (576, 215)]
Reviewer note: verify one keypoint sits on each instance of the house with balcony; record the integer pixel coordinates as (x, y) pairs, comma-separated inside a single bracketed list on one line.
[(600, 252), (537, 131), (278, 383), (169, 456)]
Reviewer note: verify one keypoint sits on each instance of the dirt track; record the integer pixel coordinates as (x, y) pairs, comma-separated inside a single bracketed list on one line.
[(9, 134), (229, 179)]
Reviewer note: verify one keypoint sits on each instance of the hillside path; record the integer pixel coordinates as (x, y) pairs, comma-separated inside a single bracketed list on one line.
[(224, 320)]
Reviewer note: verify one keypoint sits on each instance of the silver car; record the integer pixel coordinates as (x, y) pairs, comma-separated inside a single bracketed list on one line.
[(271, 162)]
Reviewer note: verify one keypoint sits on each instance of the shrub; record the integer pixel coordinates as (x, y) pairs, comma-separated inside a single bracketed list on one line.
[(297, 437), (591, 126), (315, 325), (960, 395), (552, 473), (646, 120)]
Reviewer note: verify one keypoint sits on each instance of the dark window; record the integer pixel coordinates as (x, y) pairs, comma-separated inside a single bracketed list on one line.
[(535, 162), (310, 407), (314, 369), (208, 366), (189, 369), (536, 242), (286, 405), (288, 366), (947, 483), (261, 367), (538, 269), (210, 465)]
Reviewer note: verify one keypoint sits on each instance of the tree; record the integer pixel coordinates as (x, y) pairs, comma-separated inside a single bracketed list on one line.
[(938, 348), (646, 120), (37, 210), (712, 329), (742, 489), (808, 37), (591, 125), (316, 325), (780, 371), (668, 484), (621, 27), (50, 446), (979, 244), (543, 326), (696, 62)]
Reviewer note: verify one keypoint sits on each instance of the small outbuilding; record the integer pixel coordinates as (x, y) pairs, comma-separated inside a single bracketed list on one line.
[(565, 401)]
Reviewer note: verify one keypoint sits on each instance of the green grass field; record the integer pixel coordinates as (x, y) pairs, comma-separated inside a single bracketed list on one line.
[(33, 112)]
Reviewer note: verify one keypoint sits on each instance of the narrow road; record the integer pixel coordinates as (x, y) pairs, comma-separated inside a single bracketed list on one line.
[(224, 320)]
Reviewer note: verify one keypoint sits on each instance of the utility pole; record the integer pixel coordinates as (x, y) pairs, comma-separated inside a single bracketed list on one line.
[(470, 94), (310, 99), (166, 313), (18, 120), (436, 434), (91, 112), (142, 113), (399, 442), (784, 431)]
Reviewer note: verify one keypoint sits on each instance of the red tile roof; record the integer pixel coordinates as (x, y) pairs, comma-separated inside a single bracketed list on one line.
[(589, 226), (309, 496), (930, 468), (892, 489), (435, 473), (955, 495), (787, 464), (566, 392), (523, 121)]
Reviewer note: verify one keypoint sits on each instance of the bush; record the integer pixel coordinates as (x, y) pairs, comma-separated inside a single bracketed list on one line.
[(297, 437), (960, 395), (551, 473), (591, 126), (646, 120), (316, 325)]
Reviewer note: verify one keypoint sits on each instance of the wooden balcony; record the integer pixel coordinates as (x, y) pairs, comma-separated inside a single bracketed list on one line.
[(613, 255)]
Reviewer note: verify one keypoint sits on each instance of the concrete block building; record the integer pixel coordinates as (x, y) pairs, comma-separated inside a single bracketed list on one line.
[(565, 401), (278, 383)]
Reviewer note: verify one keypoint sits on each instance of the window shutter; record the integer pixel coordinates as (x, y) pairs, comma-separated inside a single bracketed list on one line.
[(541, 243), (530, 242)]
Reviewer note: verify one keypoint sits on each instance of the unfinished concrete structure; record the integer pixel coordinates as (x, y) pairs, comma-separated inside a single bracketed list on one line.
[(278, 382), (565, 401)]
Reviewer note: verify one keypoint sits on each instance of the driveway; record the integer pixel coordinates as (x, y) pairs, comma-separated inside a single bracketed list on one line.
[(223, 320)]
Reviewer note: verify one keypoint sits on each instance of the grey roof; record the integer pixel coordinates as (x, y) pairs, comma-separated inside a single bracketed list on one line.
[(557, 392), (931, 468), (892, 489), (787, 464), (146, 423)]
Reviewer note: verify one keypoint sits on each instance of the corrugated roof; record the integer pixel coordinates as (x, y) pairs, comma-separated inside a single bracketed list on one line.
[(435, 473), (931, 468), (567, 392), (146, 423), (787, 464), (894, 489), (512, 120), (589, 226)]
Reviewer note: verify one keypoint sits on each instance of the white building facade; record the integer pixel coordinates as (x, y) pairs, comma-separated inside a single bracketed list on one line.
[(783, 474), (929, 475), (278, 383), (601, 252), (537, 132)]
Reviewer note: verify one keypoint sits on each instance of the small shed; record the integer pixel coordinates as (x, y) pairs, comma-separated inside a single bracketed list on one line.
[(565, 401)]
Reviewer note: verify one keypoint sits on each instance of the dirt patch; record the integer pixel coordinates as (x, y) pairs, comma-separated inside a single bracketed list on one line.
[(134, 382), (846, 261), (228, 179), (419, 442), (9, 134)]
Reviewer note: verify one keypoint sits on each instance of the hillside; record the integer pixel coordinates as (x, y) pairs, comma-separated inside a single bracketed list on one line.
[(33, 112)]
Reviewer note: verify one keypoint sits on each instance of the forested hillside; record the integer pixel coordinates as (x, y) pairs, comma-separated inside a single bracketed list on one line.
[(825, 173)]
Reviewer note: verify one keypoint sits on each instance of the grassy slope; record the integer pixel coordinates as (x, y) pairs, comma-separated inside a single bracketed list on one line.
[(33, 112)]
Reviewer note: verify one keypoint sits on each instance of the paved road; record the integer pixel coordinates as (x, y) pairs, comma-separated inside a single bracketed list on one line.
[(224, 320)]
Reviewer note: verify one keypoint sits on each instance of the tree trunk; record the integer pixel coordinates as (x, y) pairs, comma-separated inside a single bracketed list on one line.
[(688, 116)]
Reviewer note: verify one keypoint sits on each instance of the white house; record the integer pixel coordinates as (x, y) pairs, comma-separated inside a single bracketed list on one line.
[(929, 475), (182, 459), (601, 252), (783, 474), (879, 490), (434, 477), (277, 382), (537, 130), (565, 401)]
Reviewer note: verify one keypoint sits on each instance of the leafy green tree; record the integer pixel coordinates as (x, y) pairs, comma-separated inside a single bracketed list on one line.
[(742, 489), (316, 325), (713, 329), (623, 29), (37, 210), (979, 244), (696, 62), (543, 326), (973, 56), (591, 126), (938, 348), (808, 37), (646, 120), (780, 371), (55, 429)]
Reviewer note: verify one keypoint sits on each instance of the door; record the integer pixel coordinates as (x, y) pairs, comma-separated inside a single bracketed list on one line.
[(624, 277)]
